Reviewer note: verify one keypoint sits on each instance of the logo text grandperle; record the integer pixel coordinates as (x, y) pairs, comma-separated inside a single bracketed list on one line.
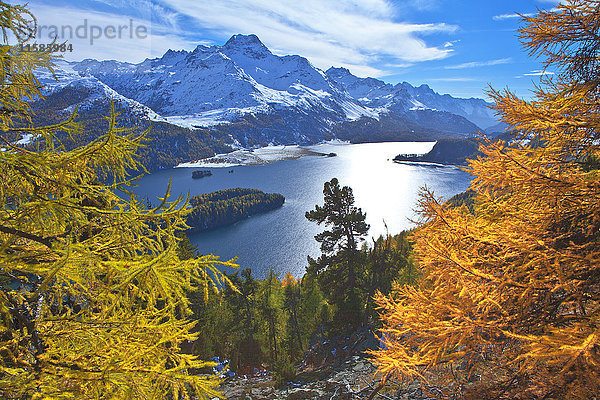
[(93, 32)]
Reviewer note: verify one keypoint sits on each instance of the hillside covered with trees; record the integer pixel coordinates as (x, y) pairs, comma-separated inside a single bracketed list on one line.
[(272, 321), (447, 152), (226, 207), (166, 146)]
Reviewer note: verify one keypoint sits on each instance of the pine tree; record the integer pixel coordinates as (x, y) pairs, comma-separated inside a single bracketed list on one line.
[(249, 346), (338, 266), (510, 299), (248, 288), (270, 304), (389, 260), (93, 292), (313, 309), (291, 304), (185, 249)]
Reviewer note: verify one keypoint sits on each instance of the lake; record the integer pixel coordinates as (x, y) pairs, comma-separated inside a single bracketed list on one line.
[(282, 239)]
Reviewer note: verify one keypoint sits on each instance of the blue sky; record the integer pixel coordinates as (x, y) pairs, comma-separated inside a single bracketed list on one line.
[(455, 46)]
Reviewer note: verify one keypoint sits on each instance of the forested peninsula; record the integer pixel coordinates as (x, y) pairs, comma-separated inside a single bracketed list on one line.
[(226, 207), (445, 151)]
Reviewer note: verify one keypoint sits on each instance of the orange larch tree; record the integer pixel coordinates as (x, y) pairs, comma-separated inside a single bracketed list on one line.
[(509, 305)]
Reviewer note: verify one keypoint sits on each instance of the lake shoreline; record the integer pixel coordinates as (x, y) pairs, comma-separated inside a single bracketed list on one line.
[(259, 156), (282, 238)]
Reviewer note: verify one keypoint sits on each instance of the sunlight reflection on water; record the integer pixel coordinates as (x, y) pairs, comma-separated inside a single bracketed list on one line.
[(282, 238)]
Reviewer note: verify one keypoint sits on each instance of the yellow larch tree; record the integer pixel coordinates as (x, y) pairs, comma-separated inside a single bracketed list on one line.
[(92, 292), (509, 305)]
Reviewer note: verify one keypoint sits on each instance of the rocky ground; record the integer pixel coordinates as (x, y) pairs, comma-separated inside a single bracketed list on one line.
[(354, 377), (333, 369)]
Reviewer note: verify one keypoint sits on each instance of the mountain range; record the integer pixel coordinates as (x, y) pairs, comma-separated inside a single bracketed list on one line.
[(219, 98)]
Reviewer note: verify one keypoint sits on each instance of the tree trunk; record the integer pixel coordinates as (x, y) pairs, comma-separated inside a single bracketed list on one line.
[(297, 328)]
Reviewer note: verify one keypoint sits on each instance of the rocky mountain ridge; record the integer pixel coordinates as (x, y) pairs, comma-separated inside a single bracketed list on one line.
[(244, 93)]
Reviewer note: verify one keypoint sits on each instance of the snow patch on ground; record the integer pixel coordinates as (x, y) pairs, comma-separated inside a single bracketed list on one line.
[(212, 117), (333, 142), (418, 106), (26, 139)]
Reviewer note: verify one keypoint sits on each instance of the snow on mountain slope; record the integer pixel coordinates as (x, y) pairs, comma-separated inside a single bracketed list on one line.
[(200, 81), (169, 144), (244, 91), (90, 90), (475, 110), (404, 97), (368, 91), (278, 73), (217, 84)]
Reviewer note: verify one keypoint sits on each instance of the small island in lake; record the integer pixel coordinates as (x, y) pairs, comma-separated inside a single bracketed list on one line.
[(201, 174), (226, 207)]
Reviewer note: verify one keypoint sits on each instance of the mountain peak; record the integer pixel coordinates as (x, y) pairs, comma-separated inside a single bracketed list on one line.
[(338, 71), (173, 55), (240, 40)]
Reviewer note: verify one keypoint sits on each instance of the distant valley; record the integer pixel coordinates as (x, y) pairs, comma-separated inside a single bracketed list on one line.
[(216, 99)]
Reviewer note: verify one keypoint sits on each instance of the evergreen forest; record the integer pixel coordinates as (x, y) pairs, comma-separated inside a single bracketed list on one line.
[(225, 207)]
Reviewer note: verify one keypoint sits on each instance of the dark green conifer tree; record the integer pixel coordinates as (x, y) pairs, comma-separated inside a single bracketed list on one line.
[(338, 267), (270, 305), (292, 301)]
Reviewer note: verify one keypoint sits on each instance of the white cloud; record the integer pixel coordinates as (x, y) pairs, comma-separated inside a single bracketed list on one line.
[(342, 32), (145, 9), (475, 64), (398, 65), (511, 16), (358, 35), (450, 43), (424, 5), (517, 15), (539, 72)]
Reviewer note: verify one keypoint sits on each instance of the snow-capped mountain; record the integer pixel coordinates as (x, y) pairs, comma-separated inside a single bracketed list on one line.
[(87, 90), (66, 92), (403, 98), (219, 84), (254, 97)]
